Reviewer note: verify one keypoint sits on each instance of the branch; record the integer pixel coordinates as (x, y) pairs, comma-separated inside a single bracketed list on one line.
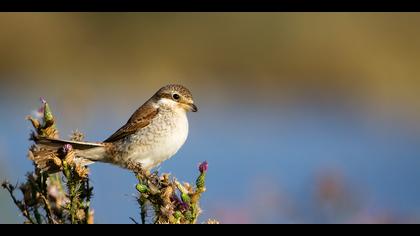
[(10, 188)]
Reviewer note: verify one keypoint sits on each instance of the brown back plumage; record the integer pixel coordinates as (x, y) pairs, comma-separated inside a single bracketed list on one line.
[(143, 116)]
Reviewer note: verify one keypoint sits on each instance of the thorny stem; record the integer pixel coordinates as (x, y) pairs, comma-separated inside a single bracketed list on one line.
[(21, 207), (72, 193), (48, 210), (44, 194), (37, 215), (134, 221), (88, 196), (143, 209)]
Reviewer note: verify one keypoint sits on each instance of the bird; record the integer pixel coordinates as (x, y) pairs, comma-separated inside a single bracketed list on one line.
[(153, 134)]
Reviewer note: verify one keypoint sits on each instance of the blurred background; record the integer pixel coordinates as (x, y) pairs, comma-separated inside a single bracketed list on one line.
[(303, 117)]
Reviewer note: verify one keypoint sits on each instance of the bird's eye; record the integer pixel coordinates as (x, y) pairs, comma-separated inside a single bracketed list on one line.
[(175, 96)]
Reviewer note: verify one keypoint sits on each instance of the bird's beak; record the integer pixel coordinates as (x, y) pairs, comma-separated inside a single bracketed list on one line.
[(193, 108)]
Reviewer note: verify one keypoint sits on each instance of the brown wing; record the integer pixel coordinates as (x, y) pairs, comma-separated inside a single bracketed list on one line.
[(140, 119)]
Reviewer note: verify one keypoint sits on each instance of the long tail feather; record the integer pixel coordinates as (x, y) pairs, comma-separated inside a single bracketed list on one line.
[(86, 152), (58, 143)]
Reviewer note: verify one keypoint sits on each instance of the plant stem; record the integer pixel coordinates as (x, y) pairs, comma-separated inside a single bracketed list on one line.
[(143, 208), (23, 209)]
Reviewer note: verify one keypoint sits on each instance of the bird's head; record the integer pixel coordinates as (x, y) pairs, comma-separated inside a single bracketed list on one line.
[(175, 96)]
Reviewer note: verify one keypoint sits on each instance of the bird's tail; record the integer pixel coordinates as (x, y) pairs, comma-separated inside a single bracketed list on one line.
[(85, 152)]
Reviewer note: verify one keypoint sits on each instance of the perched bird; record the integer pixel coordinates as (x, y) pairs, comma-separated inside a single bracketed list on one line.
[(153, 134)]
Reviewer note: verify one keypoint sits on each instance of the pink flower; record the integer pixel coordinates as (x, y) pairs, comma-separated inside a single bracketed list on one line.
[(43, 100), (203, 167), (67, 148)]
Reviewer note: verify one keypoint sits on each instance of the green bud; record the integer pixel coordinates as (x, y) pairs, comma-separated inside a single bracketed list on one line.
[(201, 181), (185, 198), (141, 188), (177, 214), (189, 216), (48, 116)]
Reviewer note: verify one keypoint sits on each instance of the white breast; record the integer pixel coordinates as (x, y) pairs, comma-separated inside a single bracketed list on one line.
[(165, 136), (174, 139)]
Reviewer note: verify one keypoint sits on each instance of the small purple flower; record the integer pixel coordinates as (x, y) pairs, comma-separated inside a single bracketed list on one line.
[(43, 100), (178, 202), (203, 167), (67, 148), (39, 113), (184, 206)]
